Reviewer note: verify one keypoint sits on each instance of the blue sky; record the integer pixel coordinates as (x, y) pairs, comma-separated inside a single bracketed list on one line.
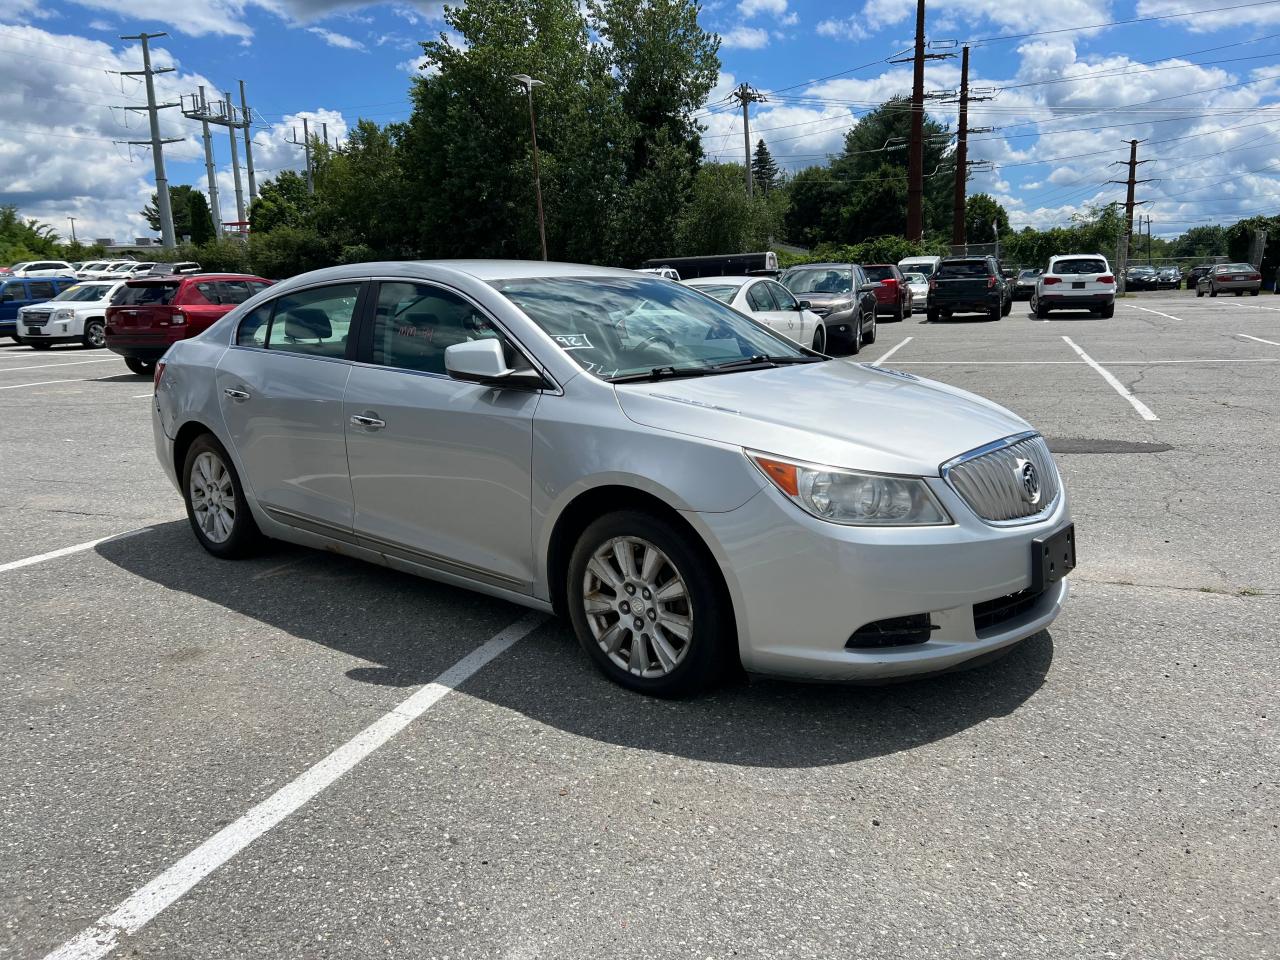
[(1199, 89)]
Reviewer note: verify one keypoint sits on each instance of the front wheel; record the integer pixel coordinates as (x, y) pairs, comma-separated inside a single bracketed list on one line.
[(1199, 292), (143, 368), (871, 337), (1213, 292), (216, 506), (820, 339), (646, 606), (855, 341), (95, 334)]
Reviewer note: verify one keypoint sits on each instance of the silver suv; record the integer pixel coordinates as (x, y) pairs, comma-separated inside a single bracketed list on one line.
[(1080, 281)]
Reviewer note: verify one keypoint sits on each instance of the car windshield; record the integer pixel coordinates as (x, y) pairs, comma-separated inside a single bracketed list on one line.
[(131, 295), (962, 268), (819, 280), (1081, 266), (1028, 274), (724, 292), (927, 268), (83, 293), (618, 326), (915, 278), (1142, 269)]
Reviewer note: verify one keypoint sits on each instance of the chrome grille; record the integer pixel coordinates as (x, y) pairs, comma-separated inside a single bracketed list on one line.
[(33, 319), (991, 479)]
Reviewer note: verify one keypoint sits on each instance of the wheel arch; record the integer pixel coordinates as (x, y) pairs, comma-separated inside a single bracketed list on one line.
[(591, 504)]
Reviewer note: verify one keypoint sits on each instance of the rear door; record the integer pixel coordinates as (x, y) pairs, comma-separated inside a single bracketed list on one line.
[(281, 390)]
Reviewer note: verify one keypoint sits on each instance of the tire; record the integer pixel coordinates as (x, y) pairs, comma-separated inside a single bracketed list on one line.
[(911, 309), (1213, 291), (226, 527), (875, 324), (1254, 293), (1199, 292), (994, 312), (1107, 312), (899, 312), (1239, 293), (1042, 311), (931, 315), (95, 334), (38, 344), (855, 341), (686, 665), (820, 339), (143, 368), (1007, 308)]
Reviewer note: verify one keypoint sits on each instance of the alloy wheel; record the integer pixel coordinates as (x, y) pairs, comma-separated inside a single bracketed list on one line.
[(213, 497), (638, 607), (96, 334)]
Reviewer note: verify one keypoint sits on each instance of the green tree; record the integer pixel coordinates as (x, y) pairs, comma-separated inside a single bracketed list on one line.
[(22, 239), (202, 228), (764, 170), (282, 201), (180, 206), (720, 218), (360, 193), (983, 216), (1201, 243)]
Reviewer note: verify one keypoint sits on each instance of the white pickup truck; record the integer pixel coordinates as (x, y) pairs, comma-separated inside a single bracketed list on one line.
[(77, 314)]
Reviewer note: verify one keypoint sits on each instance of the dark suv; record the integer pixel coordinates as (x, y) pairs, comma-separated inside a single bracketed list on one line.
[(968, 285), (150, 313)]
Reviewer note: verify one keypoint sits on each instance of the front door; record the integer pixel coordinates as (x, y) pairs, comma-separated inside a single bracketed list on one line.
[(281, 388), (441, 470), (805, 322), (765, 309)]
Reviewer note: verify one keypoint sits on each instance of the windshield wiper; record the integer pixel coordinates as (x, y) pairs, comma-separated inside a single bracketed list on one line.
[(660, 373), (763, 360)]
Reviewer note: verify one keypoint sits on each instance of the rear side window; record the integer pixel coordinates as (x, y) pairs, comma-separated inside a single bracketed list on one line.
[(145, 294), (314, 322), (1080, 266), (963, 268), (41, 289), (760, 299), (879, 273), (235, 291), (210, 290)]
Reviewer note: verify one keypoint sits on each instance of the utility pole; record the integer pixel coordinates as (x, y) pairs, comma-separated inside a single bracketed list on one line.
[(967, 96), (529, 83), (73, 229), (747, 95), (305, 143), (210, 170), (1129, 202), (235, 159), (247, 117), (324, 132), (163, 207), (1149, 263)]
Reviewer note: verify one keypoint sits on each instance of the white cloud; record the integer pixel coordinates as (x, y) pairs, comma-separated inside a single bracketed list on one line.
[(745, 38), (340, 40), (751, 8)]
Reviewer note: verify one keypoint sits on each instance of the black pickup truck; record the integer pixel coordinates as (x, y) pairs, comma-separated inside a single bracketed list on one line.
[(968, 285)]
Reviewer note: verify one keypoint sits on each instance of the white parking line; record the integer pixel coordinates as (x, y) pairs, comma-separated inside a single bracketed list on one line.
[(892, 350), (141, 396), (67, 551), (1143, 410), (42, 383), (139, 909), (1157, 313), (45, 366), (1259, 339)]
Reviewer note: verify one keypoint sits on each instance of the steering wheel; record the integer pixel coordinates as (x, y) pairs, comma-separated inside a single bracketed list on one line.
[(659, 338)]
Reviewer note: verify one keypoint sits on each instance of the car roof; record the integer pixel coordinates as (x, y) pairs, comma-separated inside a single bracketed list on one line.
[(696, 281), (829, 266)]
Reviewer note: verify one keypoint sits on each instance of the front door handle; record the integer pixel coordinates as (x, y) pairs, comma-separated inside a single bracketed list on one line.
[(235, 394), (368, 422)]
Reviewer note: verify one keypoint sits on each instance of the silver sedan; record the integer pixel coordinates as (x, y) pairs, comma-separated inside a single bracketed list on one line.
[(693, 491)]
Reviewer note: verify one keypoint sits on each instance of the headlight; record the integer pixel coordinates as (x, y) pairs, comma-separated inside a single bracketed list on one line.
[(63, 314), (851, 497)]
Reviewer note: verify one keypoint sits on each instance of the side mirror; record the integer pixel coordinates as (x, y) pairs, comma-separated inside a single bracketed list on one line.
[(803, 305), (483, 361), (869, 288)]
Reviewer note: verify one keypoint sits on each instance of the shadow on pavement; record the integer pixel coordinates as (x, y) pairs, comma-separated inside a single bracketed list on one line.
[(345, 604)]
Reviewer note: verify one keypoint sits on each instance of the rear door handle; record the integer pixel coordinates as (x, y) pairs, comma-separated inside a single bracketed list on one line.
[(368, 422), (235, 394)]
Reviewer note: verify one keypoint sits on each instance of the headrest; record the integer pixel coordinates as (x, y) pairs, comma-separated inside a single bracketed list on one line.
[(307, 322)]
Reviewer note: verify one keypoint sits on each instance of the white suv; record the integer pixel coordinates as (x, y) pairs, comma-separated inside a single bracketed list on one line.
[(78, 313), (1077, 281)]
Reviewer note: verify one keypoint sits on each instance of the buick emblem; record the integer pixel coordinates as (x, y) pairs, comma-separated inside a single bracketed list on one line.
[(1029, 480)]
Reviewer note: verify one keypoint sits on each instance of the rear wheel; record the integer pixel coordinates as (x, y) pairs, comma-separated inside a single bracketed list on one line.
[(1108, 311), (95, 334), (1254, 293), (646, 606), (1199, 292), (143, 368), (899, 312), (216, 507), (38, 344), (1213, 291), (994, 312), (931, 315), (1239, 293), (1007, 308), (1041, 310)]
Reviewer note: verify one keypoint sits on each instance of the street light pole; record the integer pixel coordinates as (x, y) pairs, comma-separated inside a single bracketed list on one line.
[(73, 229), (529, 83)]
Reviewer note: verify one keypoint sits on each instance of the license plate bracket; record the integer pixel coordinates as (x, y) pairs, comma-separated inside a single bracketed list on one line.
[(1052, 558)]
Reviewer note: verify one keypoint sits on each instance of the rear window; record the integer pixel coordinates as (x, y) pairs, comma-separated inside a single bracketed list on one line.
[(879, 273), (1081, 266), (963, 268), (1234, 268), (144, 294), (724, 292)]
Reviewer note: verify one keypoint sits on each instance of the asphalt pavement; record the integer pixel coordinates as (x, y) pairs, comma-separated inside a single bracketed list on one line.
[(263, 759)]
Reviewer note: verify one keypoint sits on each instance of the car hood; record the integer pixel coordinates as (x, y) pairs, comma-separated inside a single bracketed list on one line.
[(838, 412), (821, 299)]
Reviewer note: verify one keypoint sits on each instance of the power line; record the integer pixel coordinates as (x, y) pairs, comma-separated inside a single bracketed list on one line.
[(1119, 23)]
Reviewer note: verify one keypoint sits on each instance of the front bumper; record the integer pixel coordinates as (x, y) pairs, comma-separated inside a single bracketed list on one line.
[(801, 587)]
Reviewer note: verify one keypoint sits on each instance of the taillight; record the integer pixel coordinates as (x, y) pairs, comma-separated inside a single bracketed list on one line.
[(933, 284), (1050, 281), (1107, 279), (178, 319), (991, 283), (159, 375)]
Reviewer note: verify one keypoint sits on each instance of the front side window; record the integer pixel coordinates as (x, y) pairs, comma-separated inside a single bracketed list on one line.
[(782, 296), (252, 331), (415, 323), (615, 326), (802, 280), (315, 322)]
